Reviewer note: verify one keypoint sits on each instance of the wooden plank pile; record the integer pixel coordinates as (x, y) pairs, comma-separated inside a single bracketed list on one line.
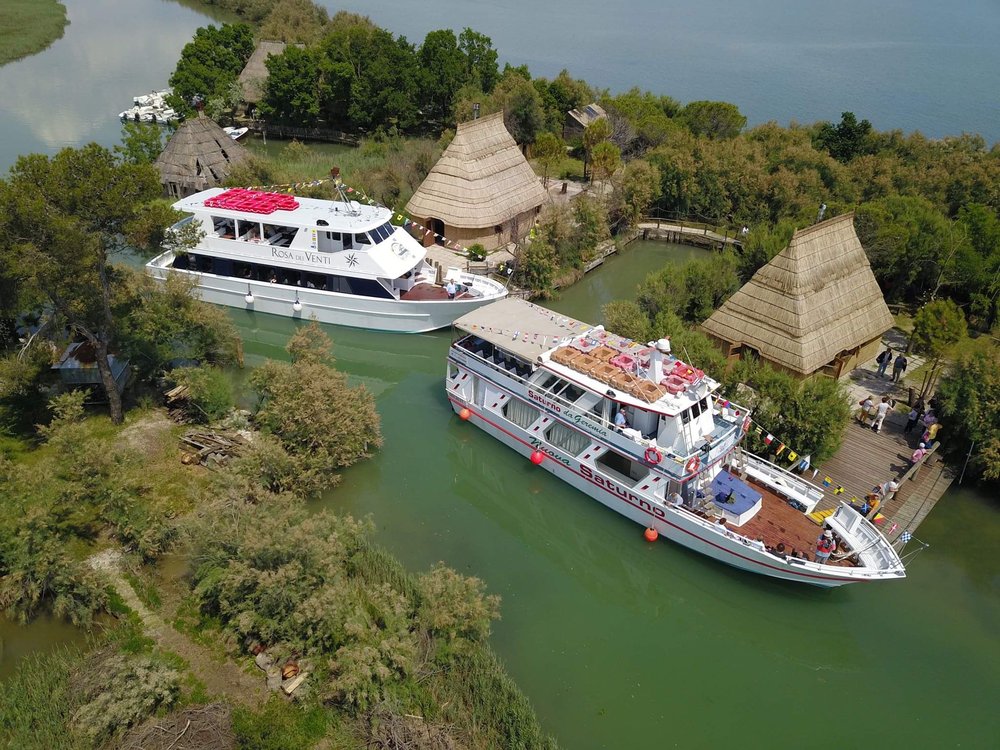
[(211, 448)]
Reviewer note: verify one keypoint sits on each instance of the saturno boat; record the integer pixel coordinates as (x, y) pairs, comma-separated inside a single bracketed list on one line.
[(337, 261), (645, 434)]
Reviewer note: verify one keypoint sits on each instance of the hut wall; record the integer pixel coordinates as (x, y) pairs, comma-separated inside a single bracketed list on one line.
[(488, 237)]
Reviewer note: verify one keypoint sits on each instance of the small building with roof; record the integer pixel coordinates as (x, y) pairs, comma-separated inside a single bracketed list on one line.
[(482, 189), (77, 366), (253, 77), (814, 308), (199, 155), (578, 120)]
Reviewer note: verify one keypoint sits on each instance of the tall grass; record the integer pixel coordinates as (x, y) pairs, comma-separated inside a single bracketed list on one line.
[(29, 26), (37, 703)]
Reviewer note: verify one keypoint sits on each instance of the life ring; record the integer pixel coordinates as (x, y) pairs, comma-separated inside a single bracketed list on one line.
[(653, 456), (693, 464)]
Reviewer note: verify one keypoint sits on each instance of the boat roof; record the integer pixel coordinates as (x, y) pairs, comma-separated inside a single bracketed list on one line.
[(522, 328), (284, 208), (588, 355)]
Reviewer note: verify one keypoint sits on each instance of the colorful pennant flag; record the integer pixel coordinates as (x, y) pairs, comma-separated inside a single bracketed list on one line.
[(759, 430), (839, 490), (792, 455), (827, 481), (781, 447), (769, 439)]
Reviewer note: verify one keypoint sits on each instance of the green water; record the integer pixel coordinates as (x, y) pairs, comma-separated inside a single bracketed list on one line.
[(619, 643)]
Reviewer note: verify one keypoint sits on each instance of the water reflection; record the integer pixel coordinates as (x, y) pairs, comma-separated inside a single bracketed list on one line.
[(71, 93)]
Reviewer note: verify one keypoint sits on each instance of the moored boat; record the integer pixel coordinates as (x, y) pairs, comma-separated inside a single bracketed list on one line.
[(236, 133), (337, 261), (645, 434)]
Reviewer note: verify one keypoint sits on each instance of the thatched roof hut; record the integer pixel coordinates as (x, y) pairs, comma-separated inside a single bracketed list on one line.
[(815, 307), (481, 190), (254, 73), (199, 155)]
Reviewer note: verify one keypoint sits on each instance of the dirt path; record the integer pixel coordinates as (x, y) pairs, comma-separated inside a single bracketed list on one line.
[(222, 678)]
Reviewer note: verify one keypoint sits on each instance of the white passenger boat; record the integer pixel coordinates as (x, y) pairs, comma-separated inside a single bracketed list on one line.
[(150, 108), (551, 388), (339, 261), (235, 133)]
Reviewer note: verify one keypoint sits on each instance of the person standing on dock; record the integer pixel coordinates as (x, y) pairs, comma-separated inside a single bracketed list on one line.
[(883, 409), (911, 420), (898, 368), (883, 361)]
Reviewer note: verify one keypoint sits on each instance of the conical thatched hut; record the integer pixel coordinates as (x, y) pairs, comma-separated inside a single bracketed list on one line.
[(254, 74), (199, 155), (815, 307), (481, 190)]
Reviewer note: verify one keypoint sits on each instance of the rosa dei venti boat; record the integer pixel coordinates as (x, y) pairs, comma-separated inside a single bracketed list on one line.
[(552, 388), (339, 261)]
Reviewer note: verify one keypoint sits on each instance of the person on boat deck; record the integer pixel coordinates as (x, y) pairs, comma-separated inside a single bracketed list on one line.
[(451, 289), (620, 421), (825, 546), (274, 277), (676, 499)]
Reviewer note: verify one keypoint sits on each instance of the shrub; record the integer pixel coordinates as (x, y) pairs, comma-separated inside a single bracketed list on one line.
[(454, 607), (210, 393), (477, 252)]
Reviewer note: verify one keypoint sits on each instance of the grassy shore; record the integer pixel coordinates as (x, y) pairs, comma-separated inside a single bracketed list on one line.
[(29, 26)]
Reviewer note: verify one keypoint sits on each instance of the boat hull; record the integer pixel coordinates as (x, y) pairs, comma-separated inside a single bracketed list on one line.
[(678, 526), (397, 316)]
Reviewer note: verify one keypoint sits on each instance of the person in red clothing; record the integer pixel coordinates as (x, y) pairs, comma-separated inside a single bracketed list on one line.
[(825, 546)]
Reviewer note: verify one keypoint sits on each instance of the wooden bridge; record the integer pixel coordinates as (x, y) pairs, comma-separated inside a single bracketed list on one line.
[(686, 233), (866, 459)]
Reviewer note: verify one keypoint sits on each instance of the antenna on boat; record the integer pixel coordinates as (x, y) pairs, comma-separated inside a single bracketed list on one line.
[(341, 188)]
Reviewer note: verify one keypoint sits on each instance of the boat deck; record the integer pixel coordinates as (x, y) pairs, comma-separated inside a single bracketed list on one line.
[(778, 522), (424, 291)]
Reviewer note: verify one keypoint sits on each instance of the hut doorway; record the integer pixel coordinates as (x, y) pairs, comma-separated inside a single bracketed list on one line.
[(437, 227)]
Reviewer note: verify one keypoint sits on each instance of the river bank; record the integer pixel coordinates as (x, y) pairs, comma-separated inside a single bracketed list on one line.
[(30, 26)]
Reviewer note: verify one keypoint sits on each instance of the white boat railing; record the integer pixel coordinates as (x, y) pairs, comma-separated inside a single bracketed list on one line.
[(782, 481), (868, 542)]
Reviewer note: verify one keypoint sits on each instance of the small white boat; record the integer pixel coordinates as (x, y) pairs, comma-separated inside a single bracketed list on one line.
[(339, 261), (235, 133), (643, 433), (150, 108)]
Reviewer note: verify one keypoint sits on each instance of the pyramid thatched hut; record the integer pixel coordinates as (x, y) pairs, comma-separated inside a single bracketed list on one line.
[(481, 190), (199, 155), (814, 308)]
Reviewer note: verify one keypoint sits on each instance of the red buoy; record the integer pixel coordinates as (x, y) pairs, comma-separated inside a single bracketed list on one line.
[(465, 414), (651, 534), (537, 457)]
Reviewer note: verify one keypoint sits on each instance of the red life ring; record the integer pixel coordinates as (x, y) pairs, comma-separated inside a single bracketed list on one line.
[(693, 464), (653, 456)]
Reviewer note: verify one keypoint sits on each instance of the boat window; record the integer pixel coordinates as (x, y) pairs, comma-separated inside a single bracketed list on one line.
[(348, 241), (182, 262), (622, 468), (556, 385), (203, 263), (567, 439), (248, 230), (696, 409), (686, 416), (520, 413), (572, 393), (225, 228), (547, 380), (314, 281), (242, 270), (335, 236), (279, 236), (362, 239)]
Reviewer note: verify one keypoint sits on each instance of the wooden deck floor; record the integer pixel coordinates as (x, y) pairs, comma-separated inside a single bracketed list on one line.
[(430, 292), (866, 459)]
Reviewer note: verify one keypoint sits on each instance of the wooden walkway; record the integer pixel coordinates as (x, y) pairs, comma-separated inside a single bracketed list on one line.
[(866, 459), (689, 235)]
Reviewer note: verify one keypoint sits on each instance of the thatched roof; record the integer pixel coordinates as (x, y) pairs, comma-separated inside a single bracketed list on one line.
[(587, 115), (812, 301), (199, 155), (254, 73), (481, 180)]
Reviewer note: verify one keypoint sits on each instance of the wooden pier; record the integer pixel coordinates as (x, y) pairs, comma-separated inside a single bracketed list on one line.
[(866, 459)]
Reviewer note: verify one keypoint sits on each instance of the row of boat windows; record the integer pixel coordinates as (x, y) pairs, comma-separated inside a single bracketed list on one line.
[(278, 275), (697, 409), (560, 436), (282, 236)]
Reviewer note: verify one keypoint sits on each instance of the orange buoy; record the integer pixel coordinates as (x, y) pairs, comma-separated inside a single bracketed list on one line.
[(465, 414), (537, 457), (651, 534)]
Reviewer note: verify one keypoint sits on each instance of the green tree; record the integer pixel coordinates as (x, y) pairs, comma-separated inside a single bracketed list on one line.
[(444, 68), (322, 422), (522, 107), (969, 402), (626, 318), (713, 119), (141, 143), (294, 21), (605, 158), (937, 327), (62, 220), (292, 90), (637, 189), (536, 266), (549, 149), (210, 63), (691, 292), (480, 59), (594, 134), (846, 140)]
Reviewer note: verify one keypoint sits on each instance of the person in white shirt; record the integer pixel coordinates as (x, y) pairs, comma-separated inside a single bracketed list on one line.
[(451, 289), (881, 411)]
